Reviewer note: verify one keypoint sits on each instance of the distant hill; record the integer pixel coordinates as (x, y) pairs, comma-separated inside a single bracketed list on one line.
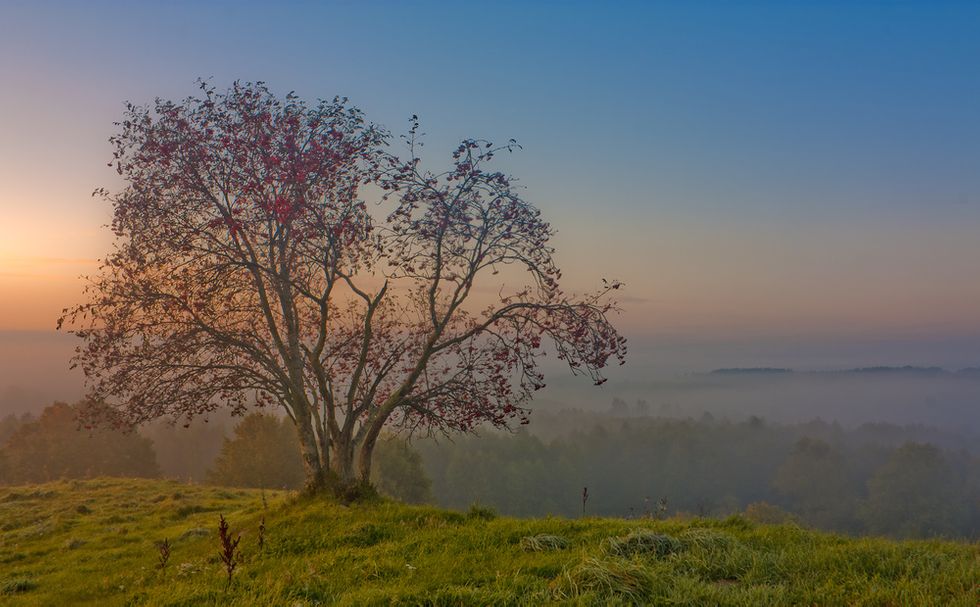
[(907, 369), (876, 370), (751, 371)]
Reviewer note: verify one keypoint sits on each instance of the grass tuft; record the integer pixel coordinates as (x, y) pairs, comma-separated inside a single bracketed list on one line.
[(641, 541), (706, 539), (543, 542), (481, 513), (16, 586), (596, 578)]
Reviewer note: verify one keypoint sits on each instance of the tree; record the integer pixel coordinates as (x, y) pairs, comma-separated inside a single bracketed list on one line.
[(916, 494), (399, 472), (815, 480), (56, 446), (619, 407), (264, 453), (248, 268)]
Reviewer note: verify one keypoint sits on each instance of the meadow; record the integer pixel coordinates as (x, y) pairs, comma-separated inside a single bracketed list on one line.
[(97, 542)]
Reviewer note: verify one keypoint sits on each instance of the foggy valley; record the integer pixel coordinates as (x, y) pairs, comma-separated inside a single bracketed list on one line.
[(513, 303)]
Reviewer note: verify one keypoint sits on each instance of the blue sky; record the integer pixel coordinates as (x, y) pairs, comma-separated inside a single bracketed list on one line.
[(755, 171)]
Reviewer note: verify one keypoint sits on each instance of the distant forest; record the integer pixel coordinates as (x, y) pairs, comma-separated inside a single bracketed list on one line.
[(882, 479), (874, 479)]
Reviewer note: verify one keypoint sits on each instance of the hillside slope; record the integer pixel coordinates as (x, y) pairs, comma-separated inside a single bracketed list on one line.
[(95, 542)]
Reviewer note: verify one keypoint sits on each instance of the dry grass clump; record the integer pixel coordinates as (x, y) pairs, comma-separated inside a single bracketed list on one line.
[(642, 541), (543, 542), (17, 585), (604, 578)]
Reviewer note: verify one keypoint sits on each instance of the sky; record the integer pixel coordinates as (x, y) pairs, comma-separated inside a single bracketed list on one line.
[(777, 183)]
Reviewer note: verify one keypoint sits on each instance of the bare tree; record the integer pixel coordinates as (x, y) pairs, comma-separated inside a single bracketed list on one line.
[(247, 268)]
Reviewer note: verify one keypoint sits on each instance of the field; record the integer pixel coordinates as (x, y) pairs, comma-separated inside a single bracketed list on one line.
[(96, 542)]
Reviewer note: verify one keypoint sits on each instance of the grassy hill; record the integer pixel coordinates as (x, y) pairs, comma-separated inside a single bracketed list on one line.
[(95, 542)]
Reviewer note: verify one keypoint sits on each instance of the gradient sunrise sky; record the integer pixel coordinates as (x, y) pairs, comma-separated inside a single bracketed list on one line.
[(753, 171)]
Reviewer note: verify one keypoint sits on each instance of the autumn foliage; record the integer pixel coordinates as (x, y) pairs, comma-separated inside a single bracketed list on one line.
[(249, 269)]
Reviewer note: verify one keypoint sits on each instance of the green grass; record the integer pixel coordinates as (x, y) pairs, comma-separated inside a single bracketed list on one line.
[(94, 543)]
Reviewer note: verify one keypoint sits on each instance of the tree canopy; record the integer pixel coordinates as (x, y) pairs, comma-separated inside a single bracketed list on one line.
[(248, 268)]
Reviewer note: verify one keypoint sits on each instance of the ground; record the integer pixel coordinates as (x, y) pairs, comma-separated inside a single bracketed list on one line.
[(96, 542)]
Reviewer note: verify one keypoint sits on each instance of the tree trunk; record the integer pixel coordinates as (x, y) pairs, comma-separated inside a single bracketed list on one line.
[(342, 462), (343, 479), (366, 451), (344, 467), (364, 463), (364, 457), (316, 478)]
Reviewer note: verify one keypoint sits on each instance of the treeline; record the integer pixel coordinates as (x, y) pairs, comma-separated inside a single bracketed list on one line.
[(261, 452), (875, 479), (55, 446)]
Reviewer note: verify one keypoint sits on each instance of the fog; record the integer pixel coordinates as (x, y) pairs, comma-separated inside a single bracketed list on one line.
[(673, 375), (825, 432), (942, 399)]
